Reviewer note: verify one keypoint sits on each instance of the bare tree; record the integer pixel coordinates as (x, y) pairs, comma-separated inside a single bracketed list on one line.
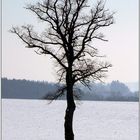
[(68, 39)]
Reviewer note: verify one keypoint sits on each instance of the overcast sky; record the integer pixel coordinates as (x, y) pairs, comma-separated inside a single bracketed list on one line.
[(121, 50)]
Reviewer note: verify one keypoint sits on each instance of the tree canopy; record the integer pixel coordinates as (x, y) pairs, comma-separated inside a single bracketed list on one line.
[(69, 36)]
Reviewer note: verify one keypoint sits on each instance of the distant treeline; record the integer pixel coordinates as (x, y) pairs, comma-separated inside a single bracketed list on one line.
[(24, 89)]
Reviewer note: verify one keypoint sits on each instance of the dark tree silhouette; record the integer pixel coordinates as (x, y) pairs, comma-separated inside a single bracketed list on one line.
[(68, 40)]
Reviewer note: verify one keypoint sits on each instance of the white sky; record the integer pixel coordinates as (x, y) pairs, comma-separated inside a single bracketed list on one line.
[(121, 50)]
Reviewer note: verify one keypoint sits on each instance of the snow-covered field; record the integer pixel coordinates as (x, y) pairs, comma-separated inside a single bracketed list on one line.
[(38, 120)]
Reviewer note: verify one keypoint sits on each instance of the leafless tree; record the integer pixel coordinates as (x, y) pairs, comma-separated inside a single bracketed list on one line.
[(68, 39)]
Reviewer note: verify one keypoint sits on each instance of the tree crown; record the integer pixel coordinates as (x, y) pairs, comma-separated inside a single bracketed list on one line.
[(69, 37)]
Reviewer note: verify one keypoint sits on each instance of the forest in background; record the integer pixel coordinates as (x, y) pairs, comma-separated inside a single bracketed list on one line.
[(25, 89)]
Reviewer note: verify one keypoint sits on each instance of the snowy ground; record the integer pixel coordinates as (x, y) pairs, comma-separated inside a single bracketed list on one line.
[(36, 120)]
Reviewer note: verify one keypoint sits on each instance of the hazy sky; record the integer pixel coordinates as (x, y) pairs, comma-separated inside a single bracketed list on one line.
[(121, 50)]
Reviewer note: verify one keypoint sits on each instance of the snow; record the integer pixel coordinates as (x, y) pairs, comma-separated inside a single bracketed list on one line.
[(38, 120)]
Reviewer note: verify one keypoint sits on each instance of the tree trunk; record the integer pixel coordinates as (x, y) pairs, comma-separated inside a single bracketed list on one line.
[(69, 135)]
